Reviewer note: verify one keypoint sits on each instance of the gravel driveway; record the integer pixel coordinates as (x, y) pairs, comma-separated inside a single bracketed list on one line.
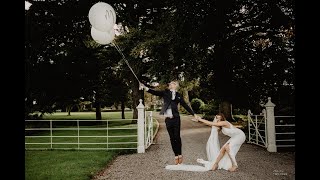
[(255, 163)]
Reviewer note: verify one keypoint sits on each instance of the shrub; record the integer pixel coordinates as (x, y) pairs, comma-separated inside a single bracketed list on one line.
[(208, 117), (212, 108), (196, 105), (240, 111)]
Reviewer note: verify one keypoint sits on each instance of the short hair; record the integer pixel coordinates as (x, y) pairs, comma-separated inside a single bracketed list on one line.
[(177, 83)]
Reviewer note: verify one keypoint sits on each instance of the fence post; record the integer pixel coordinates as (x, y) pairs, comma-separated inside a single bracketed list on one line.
[(249, 127), (78, 125), (271, 130), (51, 134), (145, 129), (264, 113), (140, 108), (151, 121)]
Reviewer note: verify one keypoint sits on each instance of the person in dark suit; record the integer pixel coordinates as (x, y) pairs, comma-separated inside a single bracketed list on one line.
[(169, 110)]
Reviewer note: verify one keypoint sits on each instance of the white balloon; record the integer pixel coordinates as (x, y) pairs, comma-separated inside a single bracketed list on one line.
[(102, 37), (102, 16)]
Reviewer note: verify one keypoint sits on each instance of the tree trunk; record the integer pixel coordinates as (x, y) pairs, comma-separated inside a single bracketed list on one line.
[(135, 99), (116, 105), (98, 111), (68, 109), (223, 79), (122, 109), (78, 107), (186, 97), (225, 108)]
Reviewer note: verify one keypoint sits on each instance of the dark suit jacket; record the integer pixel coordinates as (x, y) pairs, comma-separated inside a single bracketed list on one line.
[(166, 95)]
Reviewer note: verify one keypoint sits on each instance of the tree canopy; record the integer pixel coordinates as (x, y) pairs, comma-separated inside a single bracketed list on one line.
[(240, 51)]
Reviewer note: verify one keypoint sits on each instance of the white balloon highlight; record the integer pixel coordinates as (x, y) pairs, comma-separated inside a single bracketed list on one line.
[(102, 37), (102, 16)]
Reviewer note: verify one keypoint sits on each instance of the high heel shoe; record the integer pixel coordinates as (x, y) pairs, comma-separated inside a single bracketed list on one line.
[(180, 159), (176, 160)]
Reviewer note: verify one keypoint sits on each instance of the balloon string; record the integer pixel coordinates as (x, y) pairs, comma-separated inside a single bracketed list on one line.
[(124, 58)]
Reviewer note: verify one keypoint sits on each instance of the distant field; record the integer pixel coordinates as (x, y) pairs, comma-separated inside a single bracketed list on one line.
[(87, 115)]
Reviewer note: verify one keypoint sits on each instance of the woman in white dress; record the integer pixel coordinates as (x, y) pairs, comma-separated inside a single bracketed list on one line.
[(223, 158), (231, 147)]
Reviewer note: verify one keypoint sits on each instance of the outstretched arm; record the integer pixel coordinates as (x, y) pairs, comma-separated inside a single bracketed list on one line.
[(154, 92), (151, 91), (186, 106), (209, 123)]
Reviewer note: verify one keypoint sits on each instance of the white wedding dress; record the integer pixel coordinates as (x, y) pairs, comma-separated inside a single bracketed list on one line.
[(237, 138)]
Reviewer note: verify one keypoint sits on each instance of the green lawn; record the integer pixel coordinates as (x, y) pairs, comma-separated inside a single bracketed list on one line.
[(74, 164), (71, 165)]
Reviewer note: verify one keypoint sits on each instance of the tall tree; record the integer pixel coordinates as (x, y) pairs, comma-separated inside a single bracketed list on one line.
[(61, 65), (242, 47)]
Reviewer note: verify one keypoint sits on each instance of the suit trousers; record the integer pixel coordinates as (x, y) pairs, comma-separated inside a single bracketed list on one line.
[(173, 128)]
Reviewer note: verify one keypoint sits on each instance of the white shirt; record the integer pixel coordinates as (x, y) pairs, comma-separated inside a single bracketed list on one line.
[(168, 112), (173, 94)]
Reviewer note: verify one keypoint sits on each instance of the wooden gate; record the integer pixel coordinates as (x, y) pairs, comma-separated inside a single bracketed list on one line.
[(257, 129)]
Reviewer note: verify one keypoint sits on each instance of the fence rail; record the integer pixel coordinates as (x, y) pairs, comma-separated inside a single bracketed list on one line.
[(104, 130), (285, 131), (140, 140), (256, 135), (148, 129), (277, 132)]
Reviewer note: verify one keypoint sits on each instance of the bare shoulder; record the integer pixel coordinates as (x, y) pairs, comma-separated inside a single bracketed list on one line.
[(226, 124)]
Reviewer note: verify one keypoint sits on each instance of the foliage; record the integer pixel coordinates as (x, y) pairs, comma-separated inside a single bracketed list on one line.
[(197, 105), (211, 108), (251, 58), (241, 52)]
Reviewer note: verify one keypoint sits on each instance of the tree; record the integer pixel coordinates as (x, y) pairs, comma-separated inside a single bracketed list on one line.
[(248, 55), (185, 87), (119, 93), (63, 63)]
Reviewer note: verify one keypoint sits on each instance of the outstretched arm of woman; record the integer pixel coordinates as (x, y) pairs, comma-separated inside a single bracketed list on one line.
[(209, 123)]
